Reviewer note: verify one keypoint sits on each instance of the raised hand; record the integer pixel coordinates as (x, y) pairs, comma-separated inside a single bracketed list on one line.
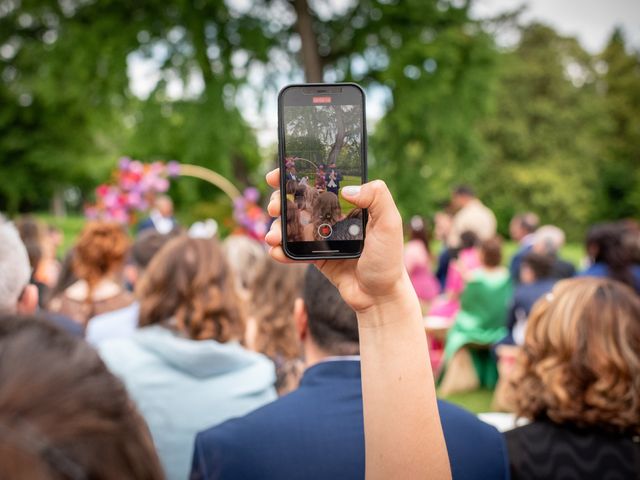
[(379, 272)]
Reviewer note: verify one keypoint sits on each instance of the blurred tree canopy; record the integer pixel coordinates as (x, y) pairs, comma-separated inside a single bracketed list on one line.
[(542, 125)]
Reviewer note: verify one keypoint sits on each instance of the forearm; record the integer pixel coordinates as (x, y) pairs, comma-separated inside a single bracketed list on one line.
[(403, 433)]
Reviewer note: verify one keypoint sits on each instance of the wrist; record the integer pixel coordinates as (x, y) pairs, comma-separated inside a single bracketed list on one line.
[(399, 304)]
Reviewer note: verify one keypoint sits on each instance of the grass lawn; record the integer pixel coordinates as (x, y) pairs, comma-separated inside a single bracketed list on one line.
[(346, 181), (71, 226), (478, 401)]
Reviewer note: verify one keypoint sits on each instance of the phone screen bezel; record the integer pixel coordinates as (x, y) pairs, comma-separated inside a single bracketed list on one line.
[(302, 95)]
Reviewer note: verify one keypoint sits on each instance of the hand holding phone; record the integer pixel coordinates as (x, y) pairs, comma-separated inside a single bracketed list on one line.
[(378, 273)]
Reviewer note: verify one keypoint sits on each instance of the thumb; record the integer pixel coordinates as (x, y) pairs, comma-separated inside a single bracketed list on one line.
[(374, 196)]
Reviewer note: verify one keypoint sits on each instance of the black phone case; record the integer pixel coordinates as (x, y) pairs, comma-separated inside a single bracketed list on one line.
[(281, 155)]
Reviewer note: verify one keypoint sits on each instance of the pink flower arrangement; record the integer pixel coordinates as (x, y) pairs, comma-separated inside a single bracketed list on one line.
[(135, 186), (249, 216)]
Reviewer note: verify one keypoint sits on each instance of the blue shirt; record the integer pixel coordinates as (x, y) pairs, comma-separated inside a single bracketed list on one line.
[(317, 432), (602, 270)]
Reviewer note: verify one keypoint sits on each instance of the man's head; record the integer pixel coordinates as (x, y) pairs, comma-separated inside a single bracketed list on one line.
[(326, 325), (147, 244), (535, 267), (461, 196), (16, 293), (164, 206), (548, 240), (523, 224)]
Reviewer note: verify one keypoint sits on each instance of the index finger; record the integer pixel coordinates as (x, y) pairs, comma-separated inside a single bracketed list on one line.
[(273, 178)]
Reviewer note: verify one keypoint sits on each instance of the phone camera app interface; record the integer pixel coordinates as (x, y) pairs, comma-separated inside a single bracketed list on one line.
[(323, 153)]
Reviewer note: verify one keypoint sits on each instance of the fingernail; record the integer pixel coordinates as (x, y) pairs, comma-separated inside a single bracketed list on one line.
[(351, 190)]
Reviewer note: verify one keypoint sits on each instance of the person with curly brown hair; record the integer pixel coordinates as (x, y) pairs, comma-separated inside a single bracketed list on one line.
[(577, 379), (98, 261), (184, 366), (271, 328)]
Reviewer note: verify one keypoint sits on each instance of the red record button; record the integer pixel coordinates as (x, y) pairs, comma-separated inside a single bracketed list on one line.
[(325, 230)]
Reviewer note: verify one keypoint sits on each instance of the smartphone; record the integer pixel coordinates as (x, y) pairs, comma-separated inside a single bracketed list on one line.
[(322, 148)]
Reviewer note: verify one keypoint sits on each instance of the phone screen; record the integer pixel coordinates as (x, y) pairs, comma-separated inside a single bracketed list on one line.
[(322, 131)]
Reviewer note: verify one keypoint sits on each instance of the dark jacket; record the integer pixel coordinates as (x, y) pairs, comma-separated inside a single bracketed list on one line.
[(317, 432)]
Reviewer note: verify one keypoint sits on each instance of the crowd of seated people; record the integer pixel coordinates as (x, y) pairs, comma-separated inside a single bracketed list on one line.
[(166, 356)]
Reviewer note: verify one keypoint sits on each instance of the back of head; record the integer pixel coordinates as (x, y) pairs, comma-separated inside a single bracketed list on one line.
[(66, 277), (491, 251), (274, 290), (164, 205), (294, 227), (326, 208), (63, 415), (464, 191), (580, 362), (147, 244), (548, 239), (100, 251), (631, 239), (190, 282), (34, 251), (14, 267), (540, 265), (332, 323), (418, 230), (526, 223), (30, 229), (243, 253), (605, 244), (468, 239)]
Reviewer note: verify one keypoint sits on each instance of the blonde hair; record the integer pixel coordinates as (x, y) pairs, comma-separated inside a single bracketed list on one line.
[(273, 293), (580, 363), (189, 280)]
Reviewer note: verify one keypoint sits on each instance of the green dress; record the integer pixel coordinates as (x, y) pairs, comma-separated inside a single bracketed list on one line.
[(481, 321)]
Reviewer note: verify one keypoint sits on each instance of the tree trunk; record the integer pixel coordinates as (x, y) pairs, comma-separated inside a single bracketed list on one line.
[(338, 144), (58, 208), (310, 56)]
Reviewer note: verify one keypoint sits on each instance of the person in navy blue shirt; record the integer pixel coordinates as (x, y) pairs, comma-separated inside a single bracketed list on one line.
[(610, 256), (535, 282), (316, 432)]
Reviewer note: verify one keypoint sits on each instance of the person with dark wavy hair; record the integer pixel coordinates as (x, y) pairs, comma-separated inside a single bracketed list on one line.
[(184, 366), (611, 256), (62, 414), (577, 379)]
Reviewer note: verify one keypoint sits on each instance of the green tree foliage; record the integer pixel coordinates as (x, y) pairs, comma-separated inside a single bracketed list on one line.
[(441, 70), (546, 133), (619, 173), (436, 67), (70, 113)]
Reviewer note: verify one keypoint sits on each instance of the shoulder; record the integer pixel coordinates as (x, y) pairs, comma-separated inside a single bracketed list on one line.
[(120, 354), (244, 430), (595, 270), (236, 447), (116, 323), (476, 449), (454, 417)]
